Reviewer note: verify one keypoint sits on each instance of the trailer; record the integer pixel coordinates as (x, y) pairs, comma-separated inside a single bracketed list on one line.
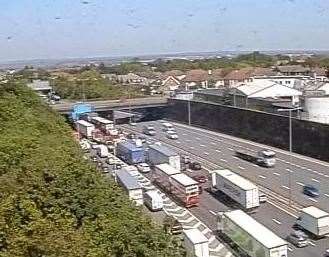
[(84, 128), (264, 158), (184, 189), (162, 173), (314, 221), (195, 243), (158, 154), (102, 150), (250, 237), (130, 152), (131, 186), (102, 124), (236, 187)]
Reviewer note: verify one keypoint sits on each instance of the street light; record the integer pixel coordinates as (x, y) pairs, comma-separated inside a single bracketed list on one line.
[(290, 143)]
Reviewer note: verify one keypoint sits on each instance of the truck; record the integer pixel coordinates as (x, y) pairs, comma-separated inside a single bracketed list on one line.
[(85, 128), (195, 243), (131, 186), (149, 130), (102, 150), (161, 175), (265, 158), (239, 189), (153, 200), (102, 124), (158, 154), (130, 152), (314, 221), (251, 238)]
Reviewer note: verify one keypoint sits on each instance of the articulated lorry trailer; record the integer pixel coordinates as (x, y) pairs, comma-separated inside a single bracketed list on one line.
[(158, 154), (251, 238), (130, 152), (239, 189), (264, 158)]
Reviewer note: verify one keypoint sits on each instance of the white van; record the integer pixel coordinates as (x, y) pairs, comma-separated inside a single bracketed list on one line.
[(167, 126), (153, 200)]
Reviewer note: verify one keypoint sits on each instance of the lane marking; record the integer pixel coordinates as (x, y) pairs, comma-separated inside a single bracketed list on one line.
[(255, 165), (206, 153), (218, 151), (261, 176), (315, 180), (276, 174), (177, 142), (184, 134), (213, 143), (213, 213), (326, 195), (231, 149), (289, 170), (313, 200), (192, 147), (198, 138), (236, 158), (290, 249), (276, 221), (242, 168), (327, 176), (286, 187), (321, 174), (188, 140), (300, 183), (202, 145), (223, 160)]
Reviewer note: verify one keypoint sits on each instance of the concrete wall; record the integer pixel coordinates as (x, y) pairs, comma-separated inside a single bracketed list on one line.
[(309, 138)]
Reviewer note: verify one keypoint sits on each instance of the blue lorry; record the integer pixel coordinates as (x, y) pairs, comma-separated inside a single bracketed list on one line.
[(130, 153)]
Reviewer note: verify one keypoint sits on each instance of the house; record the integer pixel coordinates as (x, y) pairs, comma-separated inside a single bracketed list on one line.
[(132, 79), (195, 79), (263, 89), (42, 87), (237, 76), (178, 74), (170, 84), (294, 70), (320, 74), (216, 78)]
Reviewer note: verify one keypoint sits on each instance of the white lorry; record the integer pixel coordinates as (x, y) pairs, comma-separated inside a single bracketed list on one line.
[(236, 187), (251, 237), (131, 186), (195, 243), (102, 150), (162, 173), (153, 200), (314, 221), (264, 158), (84, 128), (158, 154)]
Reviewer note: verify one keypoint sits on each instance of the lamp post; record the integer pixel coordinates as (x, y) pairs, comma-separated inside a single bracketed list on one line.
[(290, 145)]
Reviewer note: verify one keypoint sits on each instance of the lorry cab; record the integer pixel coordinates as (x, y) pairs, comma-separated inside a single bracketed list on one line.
[(149, 130), (266, 158)]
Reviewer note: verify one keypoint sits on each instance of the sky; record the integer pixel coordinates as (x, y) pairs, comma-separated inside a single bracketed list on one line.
[(51, 29)]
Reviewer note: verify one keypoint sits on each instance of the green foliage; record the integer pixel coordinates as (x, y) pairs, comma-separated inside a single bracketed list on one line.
[(90, 84), (53, 202)]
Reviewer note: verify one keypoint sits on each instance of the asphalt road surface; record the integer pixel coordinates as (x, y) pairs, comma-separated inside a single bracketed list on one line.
[(285, 179)]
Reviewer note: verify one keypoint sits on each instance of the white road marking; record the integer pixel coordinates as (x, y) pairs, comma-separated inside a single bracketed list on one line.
[(184, 134), (213, 143), (312, 199), (289, 170), (206, 153), (300, 183), (255, 165), (178, 142), (321, 174), (327, 176), (223, 160), (231, 149), (192, 147), (188, 140), (242, 168), (326, 195), (213, 213), (198, 138), (236, 158), (261, 176), (202, 145), (276, 221), (315, 180), (276, 174), (218, 151), (311, 243), (286, 187), (290, 249)]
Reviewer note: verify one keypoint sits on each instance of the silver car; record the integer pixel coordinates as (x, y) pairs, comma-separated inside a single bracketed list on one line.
[(298, 238)]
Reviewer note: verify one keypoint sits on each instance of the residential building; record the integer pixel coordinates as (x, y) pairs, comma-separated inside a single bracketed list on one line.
[(294, 70), (196, 79), (132, 79), (237, 76), (42, 87)]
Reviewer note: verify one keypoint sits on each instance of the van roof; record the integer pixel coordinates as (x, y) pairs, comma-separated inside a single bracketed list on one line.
[(195, 236), (315, 212), (166, 168), (153, 194), (128, 180), (85, 123), (184, 180)]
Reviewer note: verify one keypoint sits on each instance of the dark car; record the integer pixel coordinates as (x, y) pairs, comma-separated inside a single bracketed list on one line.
[(195, 166), (143, 139), (311, 191), (200, 178)]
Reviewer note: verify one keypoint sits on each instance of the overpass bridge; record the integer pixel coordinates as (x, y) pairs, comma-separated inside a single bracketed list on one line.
[(108, 105)]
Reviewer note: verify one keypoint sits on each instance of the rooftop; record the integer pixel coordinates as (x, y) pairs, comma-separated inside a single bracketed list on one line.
[(293, 68), (163, 149), (128, 180), (166, 168), (262, 234), (184, 180), (195, 236)]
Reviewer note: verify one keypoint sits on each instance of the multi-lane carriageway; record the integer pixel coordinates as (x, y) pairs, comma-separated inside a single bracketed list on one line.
[(215, 150)]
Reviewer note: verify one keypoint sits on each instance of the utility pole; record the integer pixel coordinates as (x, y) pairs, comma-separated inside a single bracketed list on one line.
[(189, 111)]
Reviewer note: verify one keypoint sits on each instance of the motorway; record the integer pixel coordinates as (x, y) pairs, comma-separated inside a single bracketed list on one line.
[(215, 150)]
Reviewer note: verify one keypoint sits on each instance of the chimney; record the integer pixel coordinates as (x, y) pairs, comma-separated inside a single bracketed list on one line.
[(209, 72)]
